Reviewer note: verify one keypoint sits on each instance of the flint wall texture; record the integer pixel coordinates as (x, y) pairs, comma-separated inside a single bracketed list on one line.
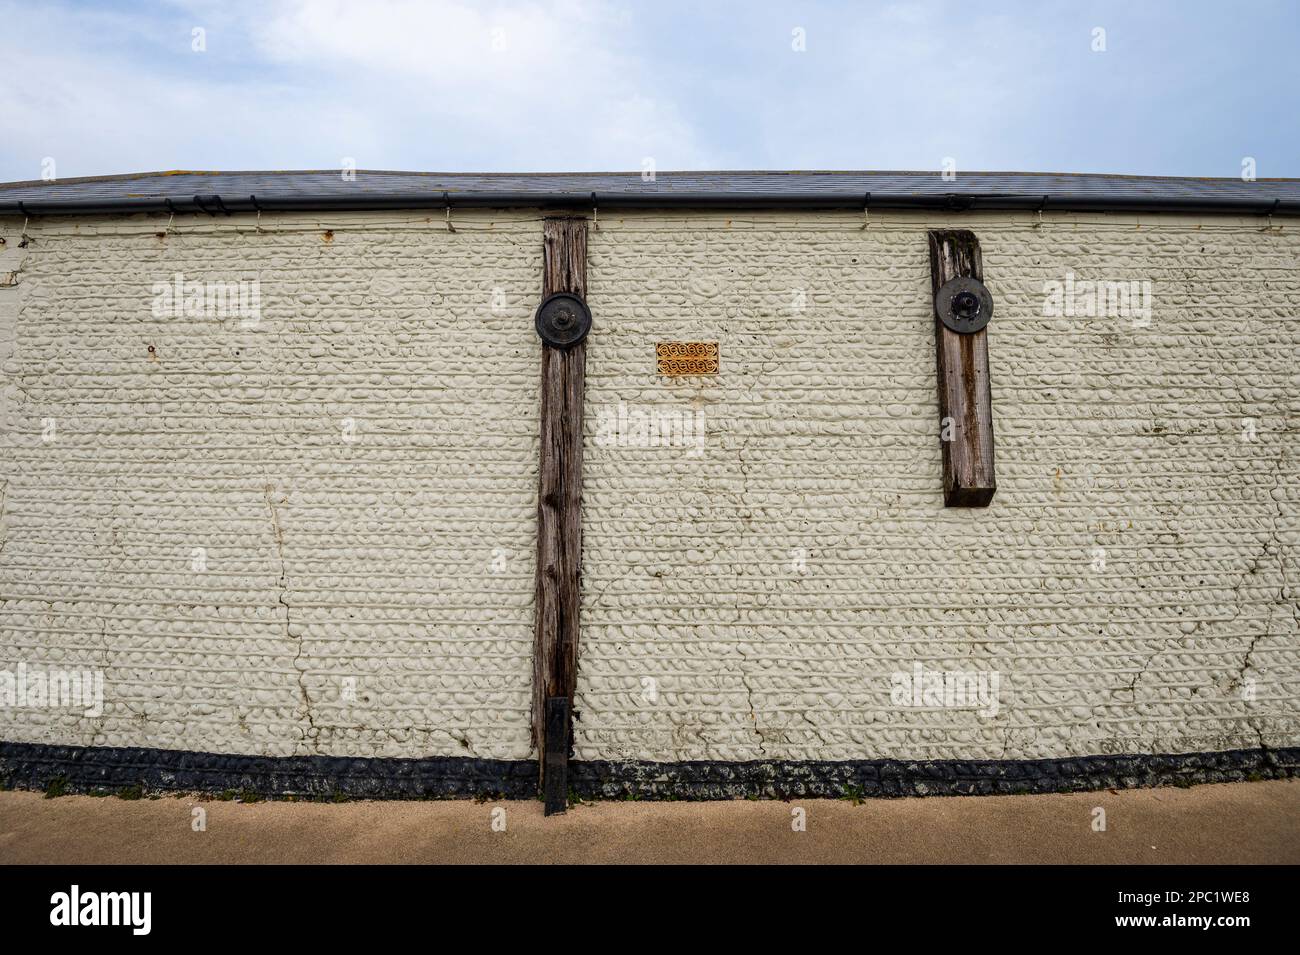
[(401, 559), (748, 596), (772, 584)]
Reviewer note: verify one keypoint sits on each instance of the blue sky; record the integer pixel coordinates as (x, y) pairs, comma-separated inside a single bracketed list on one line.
[(1180, 89)]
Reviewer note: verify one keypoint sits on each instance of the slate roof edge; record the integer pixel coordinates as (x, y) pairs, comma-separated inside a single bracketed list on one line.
[(626, 174), (217, 204), (736, 189)]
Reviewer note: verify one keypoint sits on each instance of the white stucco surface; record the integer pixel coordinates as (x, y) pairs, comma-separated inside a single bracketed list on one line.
[(822, 442), (752, 596), (327, 560)]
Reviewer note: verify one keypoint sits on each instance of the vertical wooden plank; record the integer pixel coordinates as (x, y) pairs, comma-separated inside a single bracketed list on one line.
[(965, 399), (559, 515), (555, 771)]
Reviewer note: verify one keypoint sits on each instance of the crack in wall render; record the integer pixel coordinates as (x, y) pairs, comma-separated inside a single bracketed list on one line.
[(299, 667)]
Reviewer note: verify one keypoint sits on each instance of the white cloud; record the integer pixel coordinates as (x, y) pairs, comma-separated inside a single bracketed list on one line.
[(534, 81), (295, 84), (602, 84)]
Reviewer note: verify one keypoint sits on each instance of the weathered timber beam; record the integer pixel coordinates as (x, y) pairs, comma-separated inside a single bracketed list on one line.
[(559, 520), (965, 399)]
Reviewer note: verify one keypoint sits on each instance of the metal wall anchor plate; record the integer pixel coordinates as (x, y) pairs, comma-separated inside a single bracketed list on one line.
[(964, 305), (563, 320)]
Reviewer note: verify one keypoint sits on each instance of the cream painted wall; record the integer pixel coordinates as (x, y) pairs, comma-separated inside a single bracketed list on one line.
[(821, 442), (401, 560), (748, 598)]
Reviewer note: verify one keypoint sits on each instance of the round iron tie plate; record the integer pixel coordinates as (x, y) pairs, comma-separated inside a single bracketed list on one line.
[(964, 305), (563, 320)]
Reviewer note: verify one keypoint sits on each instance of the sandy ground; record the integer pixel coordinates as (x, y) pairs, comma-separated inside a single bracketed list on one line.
[(1234, 823)]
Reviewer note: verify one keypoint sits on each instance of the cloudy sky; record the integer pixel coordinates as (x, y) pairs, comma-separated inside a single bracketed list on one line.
[(1176, 88)]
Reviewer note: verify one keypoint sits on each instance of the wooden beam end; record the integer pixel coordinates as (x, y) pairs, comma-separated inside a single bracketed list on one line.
[(968, 496)]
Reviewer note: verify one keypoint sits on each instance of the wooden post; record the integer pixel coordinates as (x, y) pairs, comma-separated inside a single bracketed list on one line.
[(555, 759), (965, 401), (559, 520)]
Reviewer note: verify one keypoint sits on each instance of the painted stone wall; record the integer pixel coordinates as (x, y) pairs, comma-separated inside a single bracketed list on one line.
[(309, 533), (753, 594), (313, 532)]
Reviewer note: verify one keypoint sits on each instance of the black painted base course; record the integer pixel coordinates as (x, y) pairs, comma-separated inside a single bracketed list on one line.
[(895, 778), (105, 769), (81, 769)]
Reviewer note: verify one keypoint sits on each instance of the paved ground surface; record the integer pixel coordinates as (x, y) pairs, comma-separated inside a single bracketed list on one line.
[(1234, 823)]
